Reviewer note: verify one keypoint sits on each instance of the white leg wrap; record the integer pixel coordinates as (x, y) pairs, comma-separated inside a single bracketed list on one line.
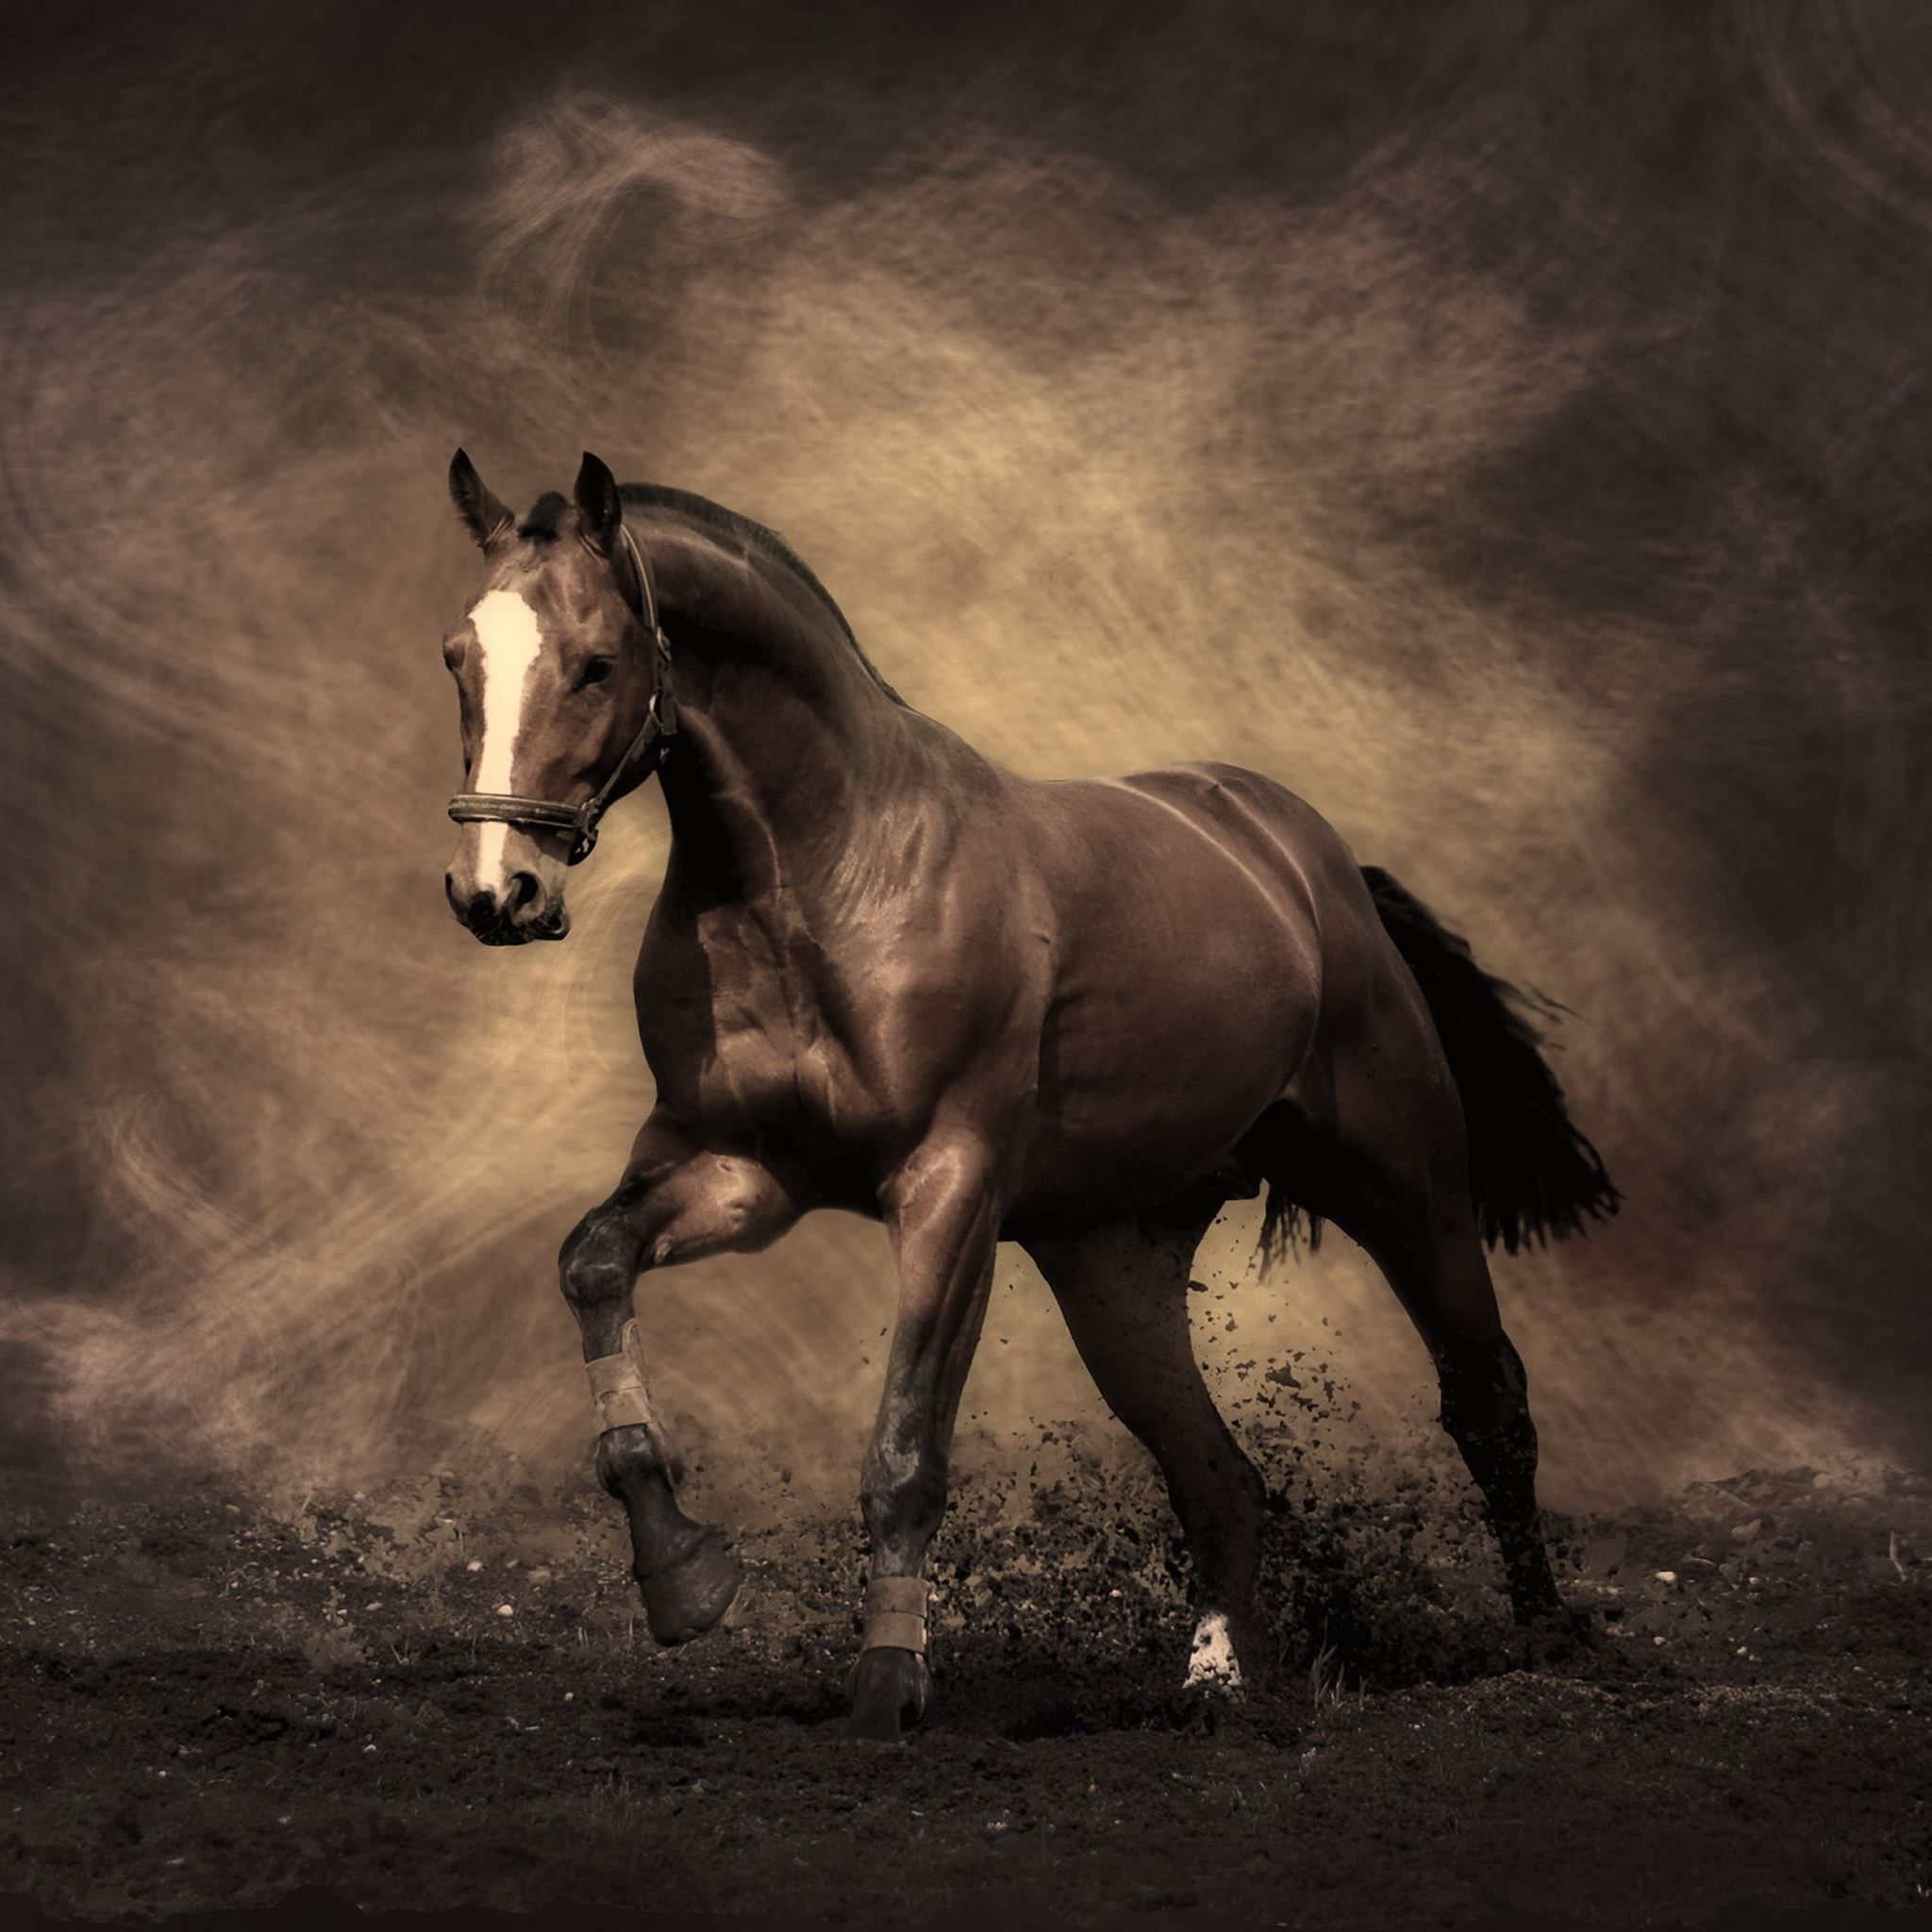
[(619, 1390), (895, 1610), (1212, 1661)]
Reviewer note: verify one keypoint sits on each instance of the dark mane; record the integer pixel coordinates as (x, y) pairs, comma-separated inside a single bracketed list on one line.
[(755, 536)]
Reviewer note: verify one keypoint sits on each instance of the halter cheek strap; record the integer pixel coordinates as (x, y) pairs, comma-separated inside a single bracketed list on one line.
[(644, 755)]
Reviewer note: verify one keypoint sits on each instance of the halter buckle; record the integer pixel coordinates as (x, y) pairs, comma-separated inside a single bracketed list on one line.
[(584, 841)]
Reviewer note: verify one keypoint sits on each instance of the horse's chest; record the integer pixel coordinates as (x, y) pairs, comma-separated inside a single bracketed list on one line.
[(734, 1029), (759, 1067)]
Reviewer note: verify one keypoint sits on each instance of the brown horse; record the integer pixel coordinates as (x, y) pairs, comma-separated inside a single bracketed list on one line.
[(883, 973)]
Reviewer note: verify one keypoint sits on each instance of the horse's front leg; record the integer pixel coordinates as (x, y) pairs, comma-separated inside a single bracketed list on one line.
[(675, 1203), (943, 1213)]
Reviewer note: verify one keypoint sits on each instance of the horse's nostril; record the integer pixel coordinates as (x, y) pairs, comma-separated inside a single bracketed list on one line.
[(523, 892)]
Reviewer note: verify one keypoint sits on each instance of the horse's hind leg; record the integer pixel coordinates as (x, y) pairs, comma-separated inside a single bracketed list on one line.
[(1444, 1281), (1386, 1159), (1124, 1292)]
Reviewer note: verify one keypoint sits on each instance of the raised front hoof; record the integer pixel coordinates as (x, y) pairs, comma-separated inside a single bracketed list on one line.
[(692, 1595), (887, 1689)]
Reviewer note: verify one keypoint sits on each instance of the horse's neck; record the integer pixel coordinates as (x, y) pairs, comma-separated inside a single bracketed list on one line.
[(789, 750)]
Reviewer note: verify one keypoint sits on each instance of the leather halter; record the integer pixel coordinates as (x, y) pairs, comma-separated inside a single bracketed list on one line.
[(646, 751)]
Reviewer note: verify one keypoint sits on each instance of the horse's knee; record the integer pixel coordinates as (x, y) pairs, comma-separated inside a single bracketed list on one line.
[(599, 1262)]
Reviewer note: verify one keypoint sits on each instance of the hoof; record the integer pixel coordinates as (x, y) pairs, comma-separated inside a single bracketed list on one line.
[(887, 1689), (1557, 1636), (692, 1594)]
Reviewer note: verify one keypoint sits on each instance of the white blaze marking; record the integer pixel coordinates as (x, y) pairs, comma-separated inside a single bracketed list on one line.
[(1212, 1661), (510, 641)]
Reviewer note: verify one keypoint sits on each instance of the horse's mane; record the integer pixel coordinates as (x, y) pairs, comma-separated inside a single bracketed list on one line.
[(543, 520)]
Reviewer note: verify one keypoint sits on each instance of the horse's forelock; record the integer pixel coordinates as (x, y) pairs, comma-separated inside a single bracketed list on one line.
[(545, 520)]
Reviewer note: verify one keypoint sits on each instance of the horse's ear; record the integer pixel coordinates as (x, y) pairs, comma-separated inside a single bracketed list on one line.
[(600, 509), (484, 515)]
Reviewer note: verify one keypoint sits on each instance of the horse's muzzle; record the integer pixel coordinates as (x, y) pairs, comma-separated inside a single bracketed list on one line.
[(512, 917)]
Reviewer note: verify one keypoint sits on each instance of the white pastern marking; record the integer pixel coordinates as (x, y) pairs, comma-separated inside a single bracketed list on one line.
[(1212, 1661), (510, 641)]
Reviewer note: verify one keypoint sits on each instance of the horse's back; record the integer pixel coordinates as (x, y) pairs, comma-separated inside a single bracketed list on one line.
[(1281, 834), (1226, 849)]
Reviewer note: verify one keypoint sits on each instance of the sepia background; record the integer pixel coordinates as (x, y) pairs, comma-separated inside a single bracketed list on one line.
[(1507, 426)]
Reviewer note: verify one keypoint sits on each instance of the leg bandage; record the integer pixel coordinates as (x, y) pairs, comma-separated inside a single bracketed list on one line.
[(619, 1390), (895, 1614)]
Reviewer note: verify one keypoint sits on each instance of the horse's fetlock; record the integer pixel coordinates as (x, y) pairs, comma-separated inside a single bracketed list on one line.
[(628, 1456)]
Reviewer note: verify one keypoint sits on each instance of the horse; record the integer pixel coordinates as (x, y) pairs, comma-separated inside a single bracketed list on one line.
[(884, 973)]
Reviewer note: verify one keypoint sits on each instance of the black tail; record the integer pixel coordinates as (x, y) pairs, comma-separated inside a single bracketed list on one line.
[(1533, 1176)]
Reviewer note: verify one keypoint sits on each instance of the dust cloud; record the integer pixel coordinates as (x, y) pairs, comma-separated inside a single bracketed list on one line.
[(1510, 433)]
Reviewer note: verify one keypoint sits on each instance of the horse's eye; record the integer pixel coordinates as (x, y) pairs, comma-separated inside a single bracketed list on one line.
[(595, 671)]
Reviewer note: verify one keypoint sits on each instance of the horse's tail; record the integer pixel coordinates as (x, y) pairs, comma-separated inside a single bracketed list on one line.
[(1533, 1176)]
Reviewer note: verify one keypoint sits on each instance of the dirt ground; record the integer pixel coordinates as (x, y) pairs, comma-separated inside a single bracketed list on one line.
[(439, 1695)]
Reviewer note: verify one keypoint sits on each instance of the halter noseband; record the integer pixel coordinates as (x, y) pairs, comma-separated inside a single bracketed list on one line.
[(646, 751)]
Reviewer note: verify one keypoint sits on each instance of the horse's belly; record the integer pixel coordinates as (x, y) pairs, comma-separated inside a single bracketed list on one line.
[(1142, 1093), (733, 1068)]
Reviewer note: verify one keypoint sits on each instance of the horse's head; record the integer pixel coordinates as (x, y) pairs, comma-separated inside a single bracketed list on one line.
[(554, 663)]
